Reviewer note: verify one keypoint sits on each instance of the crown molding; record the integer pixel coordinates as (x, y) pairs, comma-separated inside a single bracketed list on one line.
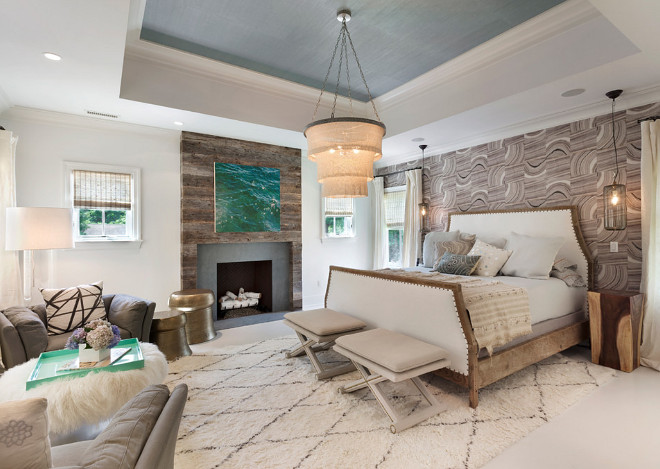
[(224, 74), (633, 98), (26, 114), (561, 18)]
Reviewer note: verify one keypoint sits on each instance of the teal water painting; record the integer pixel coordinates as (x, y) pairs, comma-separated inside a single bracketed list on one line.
[(247, 198)]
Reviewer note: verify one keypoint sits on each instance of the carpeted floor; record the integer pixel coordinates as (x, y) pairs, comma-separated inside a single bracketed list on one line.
[(251, 407)]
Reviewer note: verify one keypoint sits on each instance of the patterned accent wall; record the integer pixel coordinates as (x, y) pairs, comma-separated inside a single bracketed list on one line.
[(567, 164)]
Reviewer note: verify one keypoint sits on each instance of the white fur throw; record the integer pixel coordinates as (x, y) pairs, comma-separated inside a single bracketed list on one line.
[(87, 400)]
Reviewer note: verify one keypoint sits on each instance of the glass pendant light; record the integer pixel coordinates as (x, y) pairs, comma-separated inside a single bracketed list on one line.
[(614, 195), (423, 207)]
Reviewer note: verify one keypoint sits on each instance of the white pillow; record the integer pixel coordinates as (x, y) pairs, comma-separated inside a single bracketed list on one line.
[(492, 258), (532, 256), (24, 440), (428, 252)]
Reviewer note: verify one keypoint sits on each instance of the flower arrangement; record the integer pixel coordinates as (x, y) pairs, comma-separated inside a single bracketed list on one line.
[(97, 334)]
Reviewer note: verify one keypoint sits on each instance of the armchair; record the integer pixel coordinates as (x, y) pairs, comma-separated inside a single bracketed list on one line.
[(23, 333)]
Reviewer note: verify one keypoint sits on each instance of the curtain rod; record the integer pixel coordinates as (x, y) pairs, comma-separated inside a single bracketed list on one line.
[(652, 118), (396, 172)]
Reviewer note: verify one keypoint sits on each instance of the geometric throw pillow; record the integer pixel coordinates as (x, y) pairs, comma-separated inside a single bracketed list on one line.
[(566, 271), (70, 308), (492, 258), (24, 440), (462, 245), (456, 264)]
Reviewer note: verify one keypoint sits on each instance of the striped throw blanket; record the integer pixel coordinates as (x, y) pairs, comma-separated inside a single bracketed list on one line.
[(499, 313)]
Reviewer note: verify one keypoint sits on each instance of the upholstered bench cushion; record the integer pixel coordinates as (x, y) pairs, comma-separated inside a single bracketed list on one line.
[(394, 351), (325, 321)]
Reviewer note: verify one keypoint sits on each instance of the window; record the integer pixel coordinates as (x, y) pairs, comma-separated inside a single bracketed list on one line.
[(338, 218), (104, 202), (395, 206)]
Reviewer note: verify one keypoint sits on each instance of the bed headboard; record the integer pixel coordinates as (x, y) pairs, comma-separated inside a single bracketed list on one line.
[(546, 222)]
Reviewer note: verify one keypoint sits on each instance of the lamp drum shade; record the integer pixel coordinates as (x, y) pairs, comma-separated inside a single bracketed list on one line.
[(345, 149), (38, 228)]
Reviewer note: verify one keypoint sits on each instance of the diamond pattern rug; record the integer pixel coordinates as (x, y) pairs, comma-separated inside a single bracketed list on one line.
[(249, 406)]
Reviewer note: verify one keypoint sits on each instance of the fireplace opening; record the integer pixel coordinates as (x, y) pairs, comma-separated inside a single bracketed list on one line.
[(250, 276)]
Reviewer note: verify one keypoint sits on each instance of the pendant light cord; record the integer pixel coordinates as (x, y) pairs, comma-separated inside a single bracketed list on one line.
[(616, 156)]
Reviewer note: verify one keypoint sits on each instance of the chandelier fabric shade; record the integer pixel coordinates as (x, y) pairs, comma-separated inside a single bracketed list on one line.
[(345, 150)]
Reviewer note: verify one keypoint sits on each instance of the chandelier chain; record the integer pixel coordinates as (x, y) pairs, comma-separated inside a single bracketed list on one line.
[(371, 99), (342, 35), (348, 76), (325, 80)]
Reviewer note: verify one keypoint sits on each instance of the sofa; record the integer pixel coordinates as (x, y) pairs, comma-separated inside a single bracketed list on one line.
[(141, 435), (23, 333)]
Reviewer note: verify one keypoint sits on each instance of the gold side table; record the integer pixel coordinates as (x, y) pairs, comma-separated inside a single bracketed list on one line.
[(197, 306), (168, 332)]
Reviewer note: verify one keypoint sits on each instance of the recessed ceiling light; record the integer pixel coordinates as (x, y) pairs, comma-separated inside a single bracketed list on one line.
[(418, 139), (51, 56), (573, 92), (178, 123)]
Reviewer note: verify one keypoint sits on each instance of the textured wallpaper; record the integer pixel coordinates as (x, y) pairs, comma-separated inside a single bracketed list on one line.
[(564, 165)]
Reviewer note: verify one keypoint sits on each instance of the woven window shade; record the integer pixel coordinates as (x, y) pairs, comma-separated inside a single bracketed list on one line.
[(101, 190), (338, 207), (395, 207)]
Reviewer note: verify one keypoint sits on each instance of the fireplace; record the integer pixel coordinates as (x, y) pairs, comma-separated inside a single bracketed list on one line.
[(251, 276), (260, 267)]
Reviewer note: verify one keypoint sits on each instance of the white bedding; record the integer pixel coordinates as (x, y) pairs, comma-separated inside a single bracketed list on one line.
[(548, 299)]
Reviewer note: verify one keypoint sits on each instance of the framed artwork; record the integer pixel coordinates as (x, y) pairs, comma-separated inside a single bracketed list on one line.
[(247, 198)]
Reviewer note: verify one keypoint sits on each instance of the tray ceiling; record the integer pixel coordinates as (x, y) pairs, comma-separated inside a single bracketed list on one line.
[(396, 40)]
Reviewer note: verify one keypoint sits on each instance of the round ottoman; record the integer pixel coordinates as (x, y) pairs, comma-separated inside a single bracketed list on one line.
[(196, 304), (168, 331)]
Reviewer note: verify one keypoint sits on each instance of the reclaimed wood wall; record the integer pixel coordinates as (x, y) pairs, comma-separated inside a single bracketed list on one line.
[(567, 164), (198, 153)]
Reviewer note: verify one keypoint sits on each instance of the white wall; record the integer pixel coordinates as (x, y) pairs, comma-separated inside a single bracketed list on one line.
[(47, 139), (319, 254)]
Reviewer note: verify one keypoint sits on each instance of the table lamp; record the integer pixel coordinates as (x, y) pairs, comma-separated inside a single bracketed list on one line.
[(30, 228)]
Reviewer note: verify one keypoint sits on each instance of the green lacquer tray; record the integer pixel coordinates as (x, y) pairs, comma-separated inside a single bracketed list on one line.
[(49, 362)]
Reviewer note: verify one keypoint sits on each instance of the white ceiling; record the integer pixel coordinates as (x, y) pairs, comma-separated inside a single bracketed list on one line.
[(508, 85)]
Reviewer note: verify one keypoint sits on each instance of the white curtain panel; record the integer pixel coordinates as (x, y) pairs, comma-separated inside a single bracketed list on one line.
[(412, 235), (380, 226), (651, 242), (10, 275)]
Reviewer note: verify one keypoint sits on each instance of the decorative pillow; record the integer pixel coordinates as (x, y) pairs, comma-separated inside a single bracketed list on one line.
[(457, 264), (462, 245), (532, 257), (24, 440), (428, 252), (499, 243), (492, 258), (564, 270), (70, 308)]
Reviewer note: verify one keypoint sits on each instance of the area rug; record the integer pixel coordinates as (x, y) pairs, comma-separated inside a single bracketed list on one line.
[(249, 406)]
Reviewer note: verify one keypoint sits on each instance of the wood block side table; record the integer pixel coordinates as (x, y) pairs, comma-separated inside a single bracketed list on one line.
[(615, 321)]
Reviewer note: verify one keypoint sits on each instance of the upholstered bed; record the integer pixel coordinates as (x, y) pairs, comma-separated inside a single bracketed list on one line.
[(434, 310)]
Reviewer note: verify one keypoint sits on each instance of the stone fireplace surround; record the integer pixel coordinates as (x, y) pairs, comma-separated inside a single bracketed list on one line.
[(198, 153), (209, 255)]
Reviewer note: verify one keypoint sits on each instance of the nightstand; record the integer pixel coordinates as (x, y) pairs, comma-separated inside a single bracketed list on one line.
[(615, 321)]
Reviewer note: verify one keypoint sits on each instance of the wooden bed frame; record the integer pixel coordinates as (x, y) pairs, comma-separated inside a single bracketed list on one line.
[(487, 370)]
